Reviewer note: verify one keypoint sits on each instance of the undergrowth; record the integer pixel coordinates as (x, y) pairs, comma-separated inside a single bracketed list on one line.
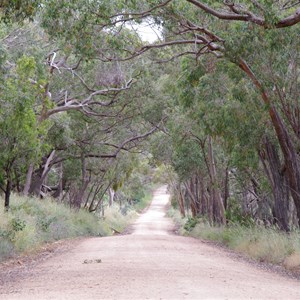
[(140, 205), (263, 244), (117, 219), (31, 222)]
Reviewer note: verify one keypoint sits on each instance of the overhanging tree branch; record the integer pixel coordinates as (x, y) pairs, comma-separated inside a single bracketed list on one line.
[(74, 104), (246, 16), (200, 40)]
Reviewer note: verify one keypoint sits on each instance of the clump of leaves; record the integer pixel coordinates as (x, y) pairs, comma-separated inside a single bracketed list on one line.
[(18, 224), (190, 224)]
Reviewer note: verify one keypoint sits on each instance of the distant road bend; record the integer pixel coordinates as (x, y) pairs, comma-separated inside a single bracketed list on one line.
[(149, 263)]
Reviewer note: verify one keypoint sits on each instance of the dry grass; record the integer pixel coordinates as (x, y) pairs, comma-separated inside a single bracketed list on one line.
[(31, 222), (263, 244), (292, 262), (179, 221), (117, 221)]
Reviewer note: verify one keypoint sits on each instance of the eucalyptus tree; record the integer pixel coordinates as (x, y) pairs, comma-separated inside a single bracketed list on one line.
[(65, 82), (20, 134), (231, 114), (97, 142), (259, 39)]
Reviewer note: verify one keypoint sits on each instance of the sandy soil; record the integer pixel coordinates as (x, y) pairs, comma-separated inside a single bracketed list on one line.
[(149, 263)]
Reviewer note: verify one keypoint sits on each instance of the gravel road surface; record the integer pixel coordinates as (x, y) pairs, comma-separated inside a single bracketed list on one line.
[(149, 263)]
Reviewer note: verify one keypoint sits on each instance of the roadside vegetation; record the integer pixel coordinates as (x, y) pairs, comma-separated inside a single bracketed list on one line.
[(269, 245), (32, 222)]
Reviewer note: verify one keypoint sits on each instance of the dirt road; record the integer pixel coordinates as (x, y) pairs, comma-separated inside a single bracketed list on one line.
[(150, 263)]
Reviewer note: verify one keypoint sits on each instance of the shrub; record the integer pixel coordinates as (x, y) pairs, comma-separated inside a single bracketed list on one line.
[(190, 224), (31, 222), (116, 220), (179, 221)]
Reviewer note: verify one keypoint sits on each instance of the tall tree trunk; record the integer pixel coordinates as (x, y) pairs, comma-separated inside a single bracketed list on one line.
[(77, 201), (192, 199), (89, 195), (217, 201), (202, 197), (28, 180), (180, 201), (60, 186), (197, 198), (285, 141), (226, 188), (7, 194), (279, 185), (111, 194), (80, 195)]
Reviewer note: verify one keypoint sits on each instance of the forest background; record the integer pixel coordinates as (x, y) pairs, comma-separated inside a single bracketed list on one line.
[(90, 113)]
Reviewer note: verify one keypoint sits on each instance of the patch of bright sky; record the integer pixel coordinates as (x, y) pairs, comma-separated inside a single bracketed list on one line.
[(147, 31)]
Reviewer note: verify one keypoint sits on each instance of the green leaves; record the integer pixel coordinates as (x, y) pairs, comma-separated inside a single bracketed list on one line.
[(20, 135), (18, 10), (26, 67)]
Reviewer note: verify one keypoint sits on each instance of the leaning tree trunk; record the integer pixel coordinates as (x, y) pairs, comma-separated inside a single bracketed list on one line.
[(287, 146), (95, 193), (38, 177), (180, 200), (100, 200)]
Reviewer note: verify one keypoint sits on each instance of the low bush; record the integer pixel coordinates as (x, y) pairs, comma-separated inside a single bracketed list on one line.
[(190, 224), (116, 221), (179, 221)]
